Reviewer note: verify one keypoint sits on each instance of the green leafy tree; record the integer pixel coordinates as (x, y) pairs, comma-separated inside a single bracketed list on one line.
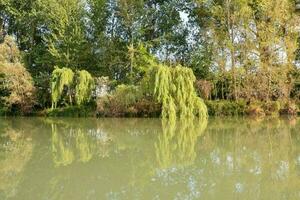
[(61, 78), (174, 89), (67, 42), (84, 87)]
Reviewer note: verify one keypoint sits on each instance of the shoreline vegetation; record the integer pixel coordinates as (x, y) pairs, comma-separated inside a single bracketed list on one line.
[(147, 109), (205, 58)]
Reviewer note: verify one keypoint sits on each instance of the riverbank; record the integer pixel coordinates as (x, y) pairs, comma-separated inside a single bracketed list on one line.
[(149, 109)]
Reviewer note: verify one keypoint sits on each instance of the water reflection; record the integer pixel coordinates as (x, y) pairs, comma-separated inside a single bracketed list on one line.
[(257, 158), (15, 152), (176, 144), (231, 158), (70, 144)]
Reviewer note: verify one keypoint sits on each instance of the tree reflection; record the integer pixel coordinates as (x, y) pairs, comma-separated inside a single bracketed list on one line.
[(15, 152), (232, 158), (61, 149), (256, 158), (71, 143), (177, 142)]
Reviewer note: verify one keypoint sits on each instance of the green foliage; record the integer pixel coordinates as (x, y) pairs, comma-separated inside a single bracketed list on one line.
[(127, 94), (289, 108), (9, 52), (67, 43), (125, 100), (43, 92), (61, 78), (229, 45), (240, 107), (64, 78), (272, 107), (87, 110), (226, 108), (174, 89), (84, 87), (17, 92), (177, 143)]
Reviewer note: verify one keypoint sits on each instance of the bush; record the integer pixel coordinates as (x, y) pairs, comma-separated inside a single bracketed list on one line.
[(204, 88), (18, 82), (16, 85), (127, 101), (127, 95), (120, 102), (71, 111), (17, 90), (224, 108), (148, 108), (2, 112), (289, 108), (271, 107), (255, 109)]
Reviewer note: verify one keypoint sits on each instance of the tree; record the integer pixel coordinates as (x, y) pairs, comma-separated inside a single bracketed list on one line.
[(65, 82), (259, 37), (17, 90), (67, 42), (61, 78), (84, 87), (174, 89)]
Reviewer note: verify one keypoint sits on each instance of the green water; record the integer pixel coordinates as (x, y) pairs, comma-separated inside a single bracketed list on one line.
[(232, 158)]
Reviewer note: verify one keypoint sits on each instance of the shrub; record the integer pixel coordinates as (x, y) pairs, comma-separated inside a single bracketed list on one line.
[(148, 108), (289, 108), (255, 109), (127, 95), (271, 107), (9, 52), (204, 88), (43, 93), (120, 102), (71, 111), (16, 85), (224, 108), (19, 86)]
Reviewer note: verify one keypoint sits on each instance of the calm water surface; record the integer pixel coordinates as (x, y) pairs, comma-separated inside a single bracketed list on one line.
[(232, 158)]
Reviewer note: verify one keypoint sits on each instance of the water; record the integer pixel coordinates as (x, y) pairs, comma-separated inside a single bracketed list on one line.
[(232, 158)]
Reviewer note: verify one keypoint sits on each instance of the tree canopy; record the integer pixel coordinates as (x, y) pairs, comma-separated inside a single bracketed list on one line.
[(237, 49)]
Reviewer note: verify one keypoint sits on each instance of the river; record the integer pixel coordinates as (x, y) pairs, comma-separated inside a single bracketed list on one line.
[(222, 158)]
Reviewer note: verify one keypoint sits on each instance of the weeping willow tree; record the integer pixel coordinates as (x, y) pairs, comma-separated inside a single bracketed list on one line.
[(174, 89), (64, 77), (84, 87), (61, 77)]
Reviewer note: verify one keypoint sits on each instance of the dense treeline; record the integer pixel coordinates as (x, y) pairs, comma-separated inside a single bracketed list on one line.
[(243, 53)]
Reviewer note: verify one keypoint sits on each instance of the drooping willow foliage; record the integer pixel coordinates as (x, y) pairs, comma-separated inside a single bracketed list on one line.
[(65, 77), (84, 87), (174, 88), (61, 77)]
